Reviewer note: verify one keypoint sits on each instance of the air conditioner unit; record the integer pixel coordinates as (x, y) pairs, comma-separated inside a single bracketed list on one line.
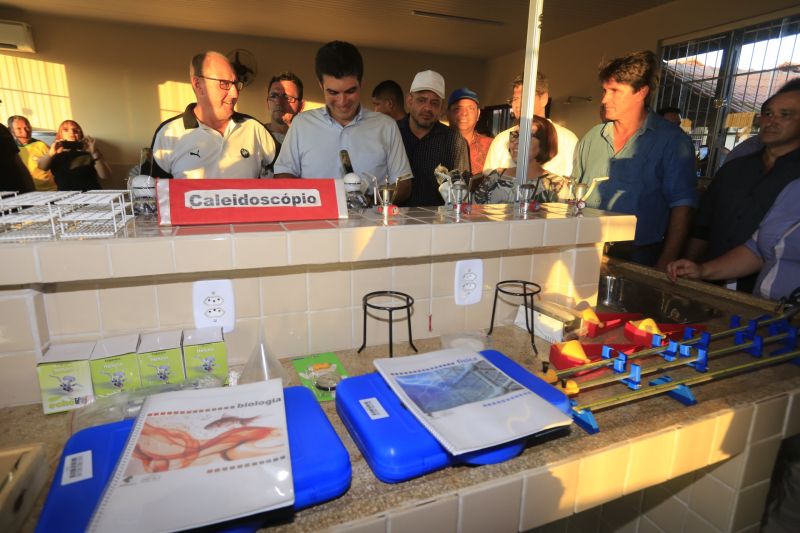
[(16, 36)]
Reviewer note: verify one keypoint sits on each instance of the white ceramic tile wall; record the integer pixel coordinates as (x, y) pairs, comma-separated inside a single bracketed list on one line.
[(157, 251), (768, 418), (440, 515), (491, 506)]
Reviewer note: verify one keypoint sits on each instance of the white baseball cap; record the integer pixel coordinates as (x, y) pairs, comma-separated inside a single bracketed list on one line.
[(428, 80)]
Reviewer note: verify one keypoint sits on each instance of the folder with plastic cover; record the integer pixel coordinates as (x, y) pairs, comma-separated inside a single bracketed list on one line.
[(398, 447), (320, 467)]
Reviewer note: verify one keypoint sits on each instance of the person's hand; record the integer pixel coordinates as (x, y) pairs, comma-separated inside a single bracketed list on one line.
[(89, 145), (683, 268), (56, 148)]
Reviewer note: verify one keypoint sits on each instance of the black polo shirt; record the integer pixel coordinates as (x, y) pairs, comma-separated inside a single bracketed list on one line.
[(739, 197), (440, 146)]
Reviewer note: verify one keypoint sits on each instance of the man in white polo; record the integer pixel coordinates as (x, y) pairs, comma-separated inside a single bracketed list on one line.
[(210, 139)]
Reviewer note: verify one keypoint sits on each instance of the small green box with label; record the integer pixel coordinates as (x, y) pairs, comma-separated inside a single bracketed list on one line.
[(160, 358), (64, 377), (115, 365), (205, 355)]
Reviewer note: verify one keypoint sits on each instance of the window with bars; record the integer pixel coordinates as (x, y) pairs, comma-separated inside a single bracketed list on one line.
[(719, 83)]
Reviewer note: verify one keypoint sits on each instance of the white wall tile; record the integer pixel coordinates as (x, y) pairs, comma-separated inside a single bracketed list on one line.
[(768, 418), (440, 515), (548, 494), (713, 500), (491, 506)]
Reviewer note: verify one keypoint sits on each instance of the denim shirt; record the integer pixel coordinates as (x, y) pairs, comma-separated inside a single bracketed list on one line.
[(654, 172)]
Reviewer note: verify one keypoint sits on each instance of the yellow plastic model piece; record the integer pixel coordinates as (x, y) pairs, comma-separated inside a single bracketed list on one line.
[(550, 376), (588, 315), (574, 351), (648, 325), (570, 387)]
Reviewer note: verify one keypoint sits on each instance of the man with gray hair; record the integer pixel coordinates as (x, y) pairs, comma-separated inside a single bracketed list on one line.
[(428, 142), (210, 139), (500, 157), (30, 150)]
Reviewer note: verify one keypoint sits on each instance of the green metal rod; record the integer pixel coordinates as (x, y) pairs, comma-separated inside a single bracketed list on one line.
[(702, 378), (681, 361), (652, 351)]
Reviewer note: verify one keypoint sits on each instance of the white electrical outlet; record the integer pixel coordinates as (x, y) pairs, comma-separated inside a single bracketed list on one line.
[(213, 304), (469, 281)]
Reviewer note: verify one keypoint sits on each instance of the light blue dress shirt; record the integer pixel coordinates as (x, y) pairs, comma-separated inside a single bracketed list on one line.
[(311, 148), (777, 243)]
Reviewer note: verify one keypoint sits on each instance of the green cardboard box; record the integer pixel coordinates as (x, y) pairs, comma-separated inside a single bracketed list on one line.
[(204, 354), (160, 358), (115, 365), (64, 377)]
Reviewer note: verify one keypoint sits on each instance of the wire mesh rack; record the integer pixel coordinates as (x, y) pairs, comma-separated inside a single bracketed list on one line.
[(64, 214)]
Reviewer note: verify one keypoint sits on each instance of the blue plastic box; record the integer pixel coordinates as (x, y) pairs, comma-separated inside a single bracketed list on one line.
[(320, 466), (398, 447)]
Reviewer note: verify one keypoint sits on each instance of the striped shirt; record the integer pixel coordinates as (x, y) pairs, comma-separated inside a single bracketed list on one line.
[(440, 146)]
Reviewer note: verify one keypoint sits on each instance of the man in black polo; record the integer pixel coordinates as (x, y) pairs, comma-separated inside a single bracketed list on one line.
[(744, 189), (428, 142), (210, 139)]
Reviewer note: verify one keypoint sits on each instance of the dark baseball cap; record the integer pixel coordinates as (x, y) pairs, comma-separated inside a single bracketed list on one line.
[(460, 94)]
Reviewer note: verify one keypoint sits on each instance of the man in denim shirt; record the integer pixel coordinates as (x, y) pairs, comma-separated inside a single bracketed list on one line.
[(649, 162)]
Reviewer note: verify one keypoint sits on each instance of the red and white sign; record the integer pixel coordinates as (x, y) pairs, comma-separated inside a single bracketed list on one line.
[(225, 201)]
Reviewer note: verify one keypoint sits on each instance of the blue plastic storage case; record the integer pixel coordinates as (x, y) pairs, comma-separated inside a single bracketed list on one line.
[(320, 465), (398, 447)]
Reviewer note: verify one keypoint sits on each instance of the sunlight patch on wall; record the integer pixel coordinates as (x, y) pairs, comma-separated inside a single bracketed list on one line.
[(173, 97), (36, 89)]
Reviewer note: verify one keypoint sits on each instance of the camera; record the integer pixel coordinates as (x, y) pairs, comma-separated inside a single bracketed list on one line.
[(72, 145)]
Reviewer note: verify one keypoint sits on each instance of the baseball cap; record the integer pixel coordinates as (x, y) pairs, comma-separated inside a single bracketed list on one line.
[(428, 80), (460, 94)]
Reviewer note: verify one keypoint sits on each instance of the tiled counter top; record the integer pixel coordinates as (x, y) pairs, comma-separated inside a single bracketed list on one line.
[(699, 468), (145, 249)]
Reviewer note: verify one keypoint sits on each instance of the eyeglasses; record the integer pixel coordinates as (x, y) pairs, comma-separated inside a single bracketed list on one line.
[(278, 96), (225, 85), (513, 136)]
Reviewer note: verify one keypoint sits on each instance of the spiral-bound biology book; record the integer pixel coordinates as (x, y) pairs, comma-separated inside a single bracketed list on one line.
[(466, 402), (200, 457)]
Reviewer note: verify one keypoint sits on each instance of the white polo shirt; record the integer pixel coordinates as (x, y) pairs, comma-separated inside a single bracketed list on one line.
[(185, 148)]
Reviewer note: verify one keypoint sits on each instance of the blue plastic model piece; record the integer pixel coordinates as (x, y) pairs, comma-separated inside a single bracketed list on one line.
[(789, 343), (608, 352), (688, 333), (671, 352), (736, 321), (585, 420), (685, 350), (321, 467), (634, 379), (778, 327), (701, 363), (656, 341), (705, 340), (681, 393), (757, 349), (620, 362)]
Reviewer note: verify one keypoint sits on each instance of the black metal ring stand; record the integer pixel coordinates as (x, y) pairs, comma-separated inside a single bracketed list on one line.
[(528, 290), (409, 301)]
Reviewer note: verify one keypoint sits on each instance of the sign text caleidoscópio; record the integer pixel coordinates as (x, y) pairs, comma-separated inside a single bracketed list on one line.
[(227, 198)]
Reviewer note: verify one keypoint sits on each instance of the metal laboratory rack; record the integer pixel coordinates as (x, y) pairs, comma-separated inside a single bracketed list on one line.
[(93, 214), (64, 214)]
